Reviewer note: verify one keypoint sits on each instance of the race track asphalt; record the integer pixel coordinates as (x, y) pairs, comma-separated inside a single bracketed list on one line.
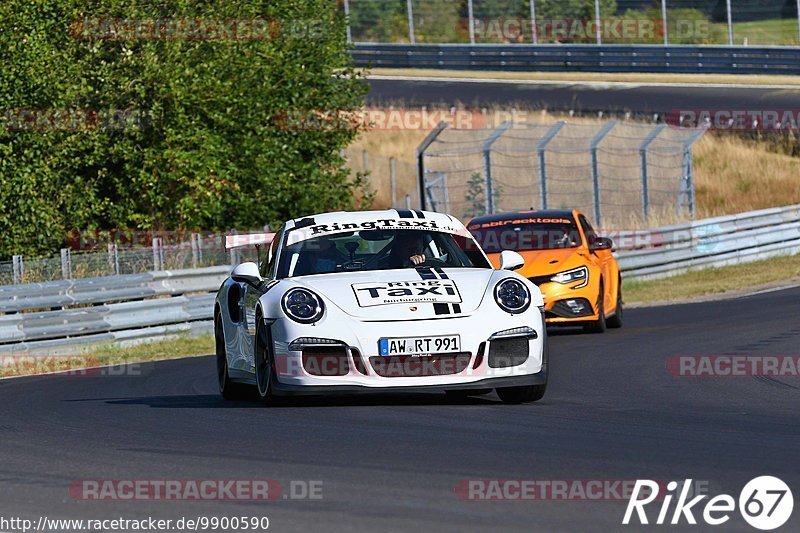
[(614, 98), (391, 463)]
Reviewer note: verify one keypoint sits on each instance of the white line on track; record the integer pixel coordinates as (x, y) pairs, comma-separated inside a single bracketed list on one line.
[(590, 84)]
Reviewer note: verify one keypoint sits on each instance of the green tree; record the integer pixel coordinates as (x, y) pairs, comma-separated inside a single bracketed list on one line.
[(213, 151)]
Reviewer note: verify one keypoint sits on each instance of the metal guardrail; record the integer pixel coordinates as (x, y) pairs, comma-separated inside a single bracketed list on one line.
[(162, 304), (588, 58), (712, 242)]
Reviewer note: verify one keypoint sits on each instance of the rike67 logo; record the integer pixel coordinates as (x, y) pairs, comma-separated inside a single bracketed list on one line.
[(765, 503)]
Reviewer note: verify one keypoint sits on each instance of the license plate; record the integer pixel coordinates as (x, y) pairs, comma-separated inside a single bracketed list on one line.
[(419, 345)]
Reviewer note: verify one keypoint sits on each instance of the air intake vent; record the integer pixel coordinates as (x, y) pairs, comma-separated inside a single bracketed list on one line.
[(504, 353)]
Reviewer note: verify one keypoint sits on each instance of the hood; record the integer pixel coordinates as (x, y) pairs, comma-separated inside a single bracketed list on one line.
[(547, 262), (402, 294)]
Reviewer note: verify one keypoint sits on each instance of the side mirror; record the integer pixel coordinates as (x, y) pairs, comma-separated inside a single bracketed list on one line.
[(246, 273), (601, 243), (510, 260)]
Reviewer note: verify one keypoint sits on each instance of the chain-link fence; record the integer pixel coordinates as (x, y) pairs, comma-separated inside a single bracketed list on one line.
[(621, 173), (674, 22), (115, 259)]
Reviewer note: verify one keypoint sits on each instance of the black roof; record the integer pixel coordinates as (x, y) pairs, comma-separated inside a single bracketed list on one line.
[(512, 215)]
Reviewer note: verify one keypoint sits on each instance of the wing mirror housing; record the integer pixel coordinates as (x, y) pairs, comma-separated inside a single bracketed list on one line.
[(510, 260), (601, 243), (246, 273)]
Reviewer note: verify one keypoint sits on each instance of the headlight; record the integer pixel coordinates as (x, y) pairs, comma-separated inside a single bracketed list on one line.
[(512, 296), (302, 305), (570, 276)]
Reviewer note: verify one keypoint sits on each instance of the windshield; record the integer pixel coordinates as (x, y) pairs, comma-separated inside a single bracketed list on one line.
[(511, 235), (366, 250)]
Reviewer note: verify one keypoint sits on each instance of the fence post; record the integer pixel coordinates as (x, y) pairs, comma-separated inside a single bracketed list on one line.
[(597, 22), (686, 193), (540, 148), (595, 172), (665, 27), (730, 23), (471, 15), (19, 269), (798, 19), (421, 160), (365, 159), (234, 260), (410, 22), (645, 182), (113, 258), (347, 20), (66, 264), (158, 254), (534, 32), (195, 242), (487, 164), (393, 179), (408, 201)]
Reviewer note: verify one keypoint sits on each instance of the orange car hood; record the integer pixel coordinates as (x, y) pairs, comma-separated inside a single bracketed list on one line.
[(543, 262)]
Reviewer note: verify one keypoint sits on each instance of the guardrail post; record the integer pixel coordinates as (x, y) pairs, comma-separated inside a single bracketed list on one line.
[(158, 254), (487, 164), (421, 160), (643, 156), (19, 269), (798, 19), (113, 258), (66, 263), (540, 148), (393, 179), (607, 127)]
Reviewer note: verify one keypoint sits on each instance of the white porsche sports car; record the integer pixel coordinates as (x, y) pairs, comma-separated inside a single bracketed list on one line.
[(394, 300)]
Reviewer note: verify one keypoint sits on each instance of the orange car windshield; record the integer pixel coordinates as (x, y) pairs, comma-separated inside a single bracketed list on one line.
[(527, 237)]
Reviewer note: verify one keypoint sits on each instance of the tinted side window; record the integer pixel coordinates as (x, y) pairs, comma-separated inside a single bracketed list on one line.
[(268, 266)]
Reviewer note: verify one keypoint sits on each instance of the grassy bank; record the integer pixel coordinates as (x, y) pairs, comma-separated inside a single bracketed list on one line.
[(730, 280), (107, 356)]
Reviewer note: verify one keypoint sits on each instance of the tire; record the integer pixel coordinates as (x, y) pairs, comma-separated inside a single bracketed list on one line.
[(265, 368), (229, 390), (616, 320), (599, 325), (525, 394)]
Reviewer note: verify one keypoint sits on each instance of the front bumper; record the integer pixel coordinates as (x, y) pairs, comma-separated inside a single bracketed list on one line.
[(564, 305), (479, 365)]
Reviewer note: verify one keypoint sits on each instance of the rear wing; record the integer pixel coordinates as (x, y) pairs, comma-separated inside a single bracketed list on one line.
[(248, 239)]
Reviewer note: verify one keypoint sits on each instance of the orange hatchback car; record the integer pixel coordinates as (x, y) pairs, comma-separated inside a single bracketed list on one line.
[(564, 256)]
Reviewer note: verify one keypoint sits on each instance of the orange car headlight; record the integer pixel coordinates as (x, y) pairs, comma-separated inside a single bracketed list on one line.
[(571, 276)]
